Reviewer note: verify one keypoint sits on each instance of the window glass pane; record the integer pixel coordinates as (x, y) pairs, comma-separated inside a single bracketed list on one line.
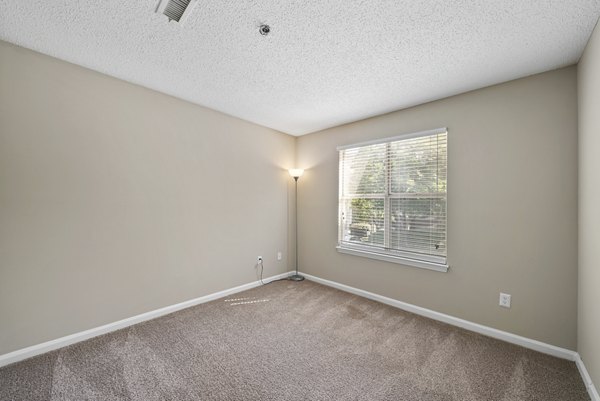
[(364, 170), (362, 221), (419, 165), (418, 225), (393, 197)]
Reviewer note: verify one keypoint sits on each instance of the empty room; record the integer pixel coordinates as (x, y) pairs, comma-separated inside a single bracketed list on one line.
[(299, 200)]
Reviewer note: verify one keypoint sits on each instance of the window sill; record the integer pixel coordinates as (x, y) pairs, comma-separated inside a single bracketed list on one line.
[(395, 259)]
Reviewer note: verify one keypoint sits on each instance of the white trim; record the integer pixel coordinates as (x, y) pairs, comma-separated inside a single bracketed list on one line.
[(439, 267), (563, 353), (394, 138), (587, 380), (454, 321), (51, 345)]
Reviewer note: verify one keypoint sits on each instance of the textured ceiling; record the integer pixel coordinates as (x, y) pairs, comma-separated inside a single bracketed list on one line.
[(325, 62)]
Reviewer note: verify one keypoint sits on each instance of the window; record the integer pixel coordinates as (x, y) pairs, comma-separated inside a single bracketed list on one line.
[(392, 199)]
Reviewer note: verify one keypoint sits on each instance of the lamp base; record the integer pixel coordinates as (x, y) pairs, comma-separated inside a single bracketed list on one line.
[(296, 277)]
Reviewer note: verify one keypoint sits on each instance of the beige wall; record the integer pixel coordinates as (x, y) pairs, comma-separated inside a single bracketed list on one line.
[(116, 200), (589, 207), (512, 207)]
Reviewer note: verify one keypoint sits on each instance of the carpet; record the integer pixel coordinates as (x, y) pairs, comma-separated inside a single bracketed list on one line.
[(292, 341)]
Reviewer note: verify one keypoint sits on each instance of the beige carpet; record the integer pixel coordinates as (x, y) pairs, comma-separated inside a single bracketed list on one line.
[(292, 341)]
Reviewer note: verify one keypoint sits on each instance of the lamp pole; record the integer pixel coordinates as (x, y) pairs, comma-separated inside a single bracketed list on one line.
[(296, 173)]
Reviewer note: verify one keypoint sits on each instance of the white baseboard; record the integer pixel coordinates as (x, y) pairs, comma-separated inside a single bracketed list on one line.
[(563, 353), (478, 328), (48, 346), (454, 321), (587, 380)]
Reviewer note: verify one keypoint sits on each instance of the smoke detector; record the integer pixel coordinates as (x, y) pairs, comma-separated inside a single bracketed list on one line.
[(176, 10), (264, 29)]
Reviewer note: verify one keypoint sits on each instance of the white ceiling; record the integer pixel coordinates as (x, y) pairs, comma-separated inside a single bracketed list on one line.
[(325, 62)]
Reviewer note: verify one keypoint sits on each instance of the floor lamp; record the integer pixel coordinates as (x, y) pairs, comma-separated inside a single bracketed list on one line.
[(296, 173)]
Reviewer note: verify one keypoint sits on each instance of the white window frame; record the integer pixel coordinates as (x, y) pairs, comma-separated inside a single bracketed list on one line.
[(429, 262)]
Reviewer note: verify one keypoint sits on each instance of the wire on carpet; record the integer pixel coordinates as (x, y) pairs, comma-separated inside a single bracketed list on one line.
[(261, 275)]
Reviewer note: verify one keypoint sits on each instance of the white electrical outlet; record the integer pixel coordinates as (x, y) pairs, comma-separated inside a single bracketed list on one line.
[(504, 300), (259, 260), (278, 255)]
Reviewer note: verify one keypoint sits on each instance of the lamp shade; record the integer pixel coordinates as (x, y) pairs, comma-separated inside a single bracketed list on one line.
[(296, 172)]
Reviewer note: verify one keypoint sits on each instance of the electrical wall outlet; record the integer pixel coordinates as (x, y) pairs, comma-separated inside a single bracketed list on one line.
[(504, 300), (278, 255), (259, 260)]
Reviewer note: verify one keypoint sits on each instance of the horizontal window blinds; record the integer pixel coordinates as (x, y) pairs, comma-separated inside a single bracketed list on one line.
[(393, 197)]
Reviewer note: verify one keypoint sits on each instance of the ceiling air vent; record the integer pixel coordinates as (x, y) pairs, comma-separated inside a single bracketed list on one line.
[(176, 10)]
